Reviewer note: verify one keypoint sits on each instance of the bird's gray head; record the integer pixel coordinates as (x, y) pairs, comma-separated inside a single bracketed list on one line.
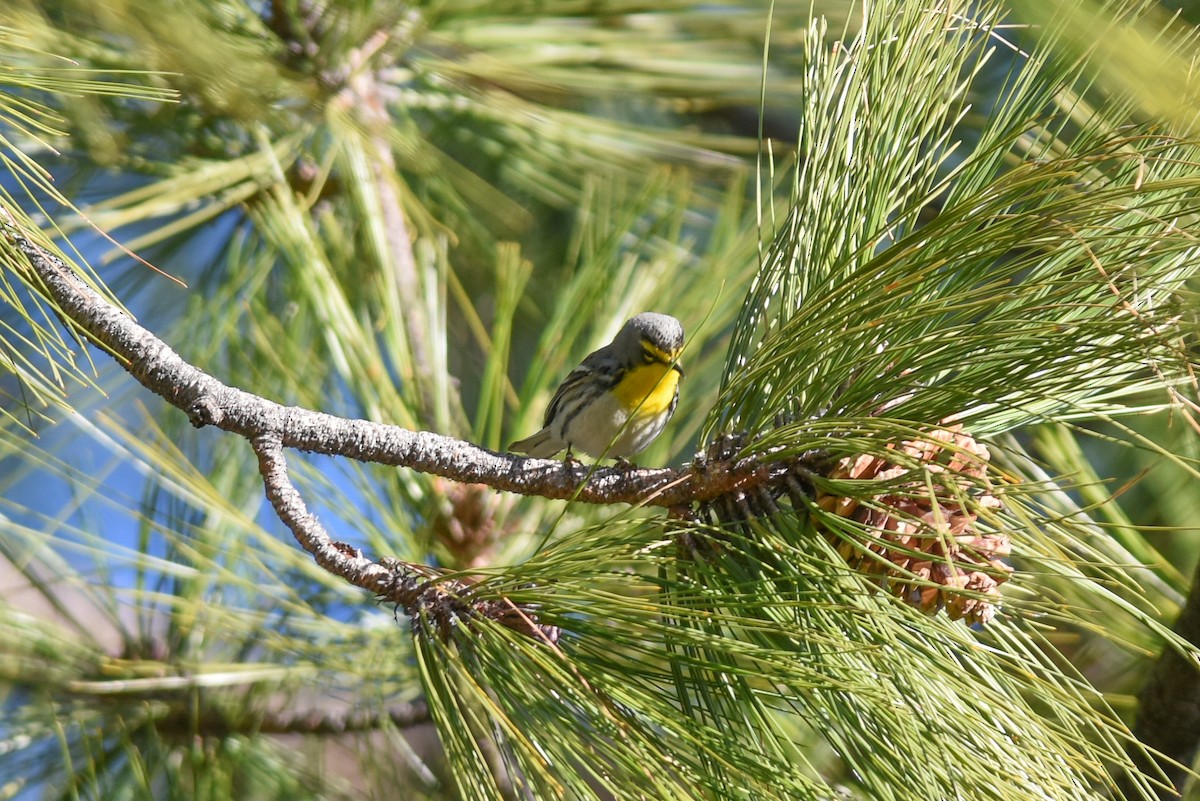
[(660, 334)]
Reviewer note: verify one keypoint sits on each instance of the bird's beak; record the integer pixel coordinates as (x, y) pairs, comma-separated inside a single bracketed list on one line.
[(679, 370)]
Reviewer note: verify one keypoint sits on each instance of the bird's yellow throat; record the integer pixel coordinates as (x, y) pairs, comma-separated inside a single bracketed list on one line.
[(650, 385)]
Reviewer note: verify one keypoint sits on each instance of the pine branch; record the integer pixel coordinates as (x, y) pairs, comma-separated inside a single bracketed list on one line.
[(208, 401), (432, 601)]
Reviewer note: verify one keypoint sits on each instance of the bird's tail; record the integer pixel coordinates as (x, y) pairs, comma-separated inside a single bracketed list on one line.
[(542, 445)]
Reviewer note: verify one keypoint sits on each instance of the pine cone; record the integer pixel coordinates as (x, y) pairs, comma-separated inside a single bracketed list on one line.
[(916, 534)]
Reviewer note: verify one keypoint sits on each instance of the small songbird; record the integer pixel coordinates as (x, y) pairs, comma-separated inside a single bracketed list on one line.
[(619, 398)]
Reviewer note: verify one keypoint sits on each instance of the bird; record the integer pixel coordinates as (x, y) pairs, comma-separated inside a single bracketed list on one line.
[(619, 398)]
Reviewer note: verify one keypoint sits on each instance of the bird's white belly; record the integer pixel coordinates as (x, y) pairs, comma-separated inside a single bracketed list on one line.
[(594, 428)]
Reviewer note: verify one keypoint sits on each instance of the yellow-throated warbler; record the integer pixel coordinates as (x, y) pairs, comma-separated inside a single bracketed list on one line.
[(619, 398)]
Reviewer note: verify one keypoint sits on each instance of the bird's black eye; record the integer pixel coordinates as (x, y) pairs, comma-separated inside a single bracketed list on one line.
[(648, 357)]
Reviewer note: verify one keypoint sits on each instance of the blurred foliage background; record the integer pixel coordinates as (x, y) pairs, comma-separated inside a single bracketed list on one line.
[(872, 218)]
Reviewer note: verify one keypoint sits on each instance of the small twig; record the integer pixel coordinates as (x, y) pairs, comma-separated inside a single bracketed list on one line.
[(434, 603), (349, 563)]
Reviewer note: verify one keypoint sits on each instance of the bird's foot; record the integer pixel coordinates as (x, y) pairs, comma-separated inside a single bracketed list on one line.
[(577, 467)]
